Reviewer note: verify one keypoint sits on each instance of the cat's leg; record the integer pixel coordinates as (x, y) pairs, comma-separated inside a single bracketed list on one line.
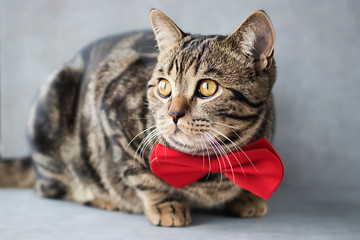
[(54, 181), (161, 205), (51, 127), (53, 188), (51, 181), (50, 188), (247, 205)]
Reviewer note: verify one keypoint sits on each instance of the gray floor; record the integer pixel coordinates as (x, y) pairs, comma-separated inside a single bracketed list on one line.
[(293, 214)]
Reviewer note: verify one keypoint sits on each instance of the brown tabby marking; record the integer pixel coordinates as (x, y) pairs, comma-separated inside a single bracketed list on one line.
[(17, 172), (95, 122)]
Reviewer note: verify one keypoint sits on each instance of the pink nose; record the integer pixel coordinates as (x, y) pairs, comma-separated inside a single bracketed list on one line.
[(176, 115)]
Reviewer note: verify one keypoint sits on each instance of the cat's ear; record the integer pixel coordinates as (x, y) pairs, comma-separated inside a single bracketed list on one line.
[(166, 32), (255, 37)]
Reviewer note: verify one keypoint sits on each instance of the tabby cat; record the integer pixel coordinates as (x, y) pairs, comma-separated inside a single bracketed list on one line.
[(94, 123)]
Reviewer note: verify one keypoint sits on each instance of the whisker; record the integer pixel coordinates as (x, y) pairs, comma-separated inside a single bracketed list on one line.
[(152, 148), (145, 139), (227, 125), (215, 151), (202, 151), (217, 146), (156, 150), (144, 131), (134, 118), (267, 120), (245, 152), (207, 150), (153, 139), (231, 127), (236, 146), (155, 135), (224, 152)]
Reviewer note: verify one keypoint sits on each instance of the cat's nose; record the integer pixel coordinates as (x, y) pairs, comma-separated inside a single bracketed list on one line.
[(176, 115)]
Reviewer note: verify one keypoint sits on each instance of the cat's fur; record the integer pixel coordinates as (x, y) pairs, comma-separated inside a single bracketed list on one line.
[(85, 124)]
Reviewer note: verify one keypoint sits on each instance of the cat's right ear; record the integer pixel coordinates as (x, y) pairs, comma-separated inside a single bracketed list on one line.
[(166, 32)]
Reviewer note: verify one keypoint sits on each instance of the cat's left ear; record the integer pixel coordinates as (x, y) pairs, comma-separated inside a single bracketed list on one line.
[(166, 32), (255, 37)]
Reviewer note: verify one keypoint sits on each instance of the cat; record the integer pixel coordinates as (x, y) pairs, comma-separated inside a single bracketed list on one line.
[(95, 121)]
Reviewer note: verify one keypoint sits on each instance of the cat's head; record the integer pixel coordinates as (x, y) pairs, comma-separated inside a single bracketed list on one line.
[(208, 89)]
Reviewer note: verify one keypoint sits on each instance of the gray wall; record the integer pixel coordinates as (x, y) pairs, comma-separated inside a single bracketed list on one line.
[(317, 53)]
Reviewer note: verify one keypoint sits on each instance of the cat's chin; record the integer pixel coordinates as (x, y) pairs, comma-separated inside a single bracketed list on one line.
[(184, 143), (182, 139)]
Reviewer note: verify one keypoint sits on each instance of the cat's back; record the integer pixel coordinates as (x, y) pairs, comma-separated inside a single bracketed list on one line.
[(106, 65), (139, 43)]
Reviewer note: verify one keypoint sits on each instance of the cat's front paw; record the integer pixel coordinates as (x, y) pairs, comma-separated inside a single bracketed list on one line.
[(247, 205), (169, 214)]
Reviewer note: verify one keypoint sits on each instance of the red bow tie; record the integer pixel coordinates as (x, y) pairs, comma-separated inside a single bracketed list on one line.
[(257, 168)]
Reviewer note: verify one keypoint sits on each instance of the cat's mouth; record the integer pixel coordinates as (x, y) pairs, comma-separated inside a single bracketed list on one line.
[(199, 137), (177, 130), (183, 138), (181, 135)]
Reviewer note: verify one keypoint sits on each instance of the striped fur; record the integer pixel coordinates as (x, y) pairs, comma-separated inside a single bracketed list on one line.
[(17, 172), (95, 121)]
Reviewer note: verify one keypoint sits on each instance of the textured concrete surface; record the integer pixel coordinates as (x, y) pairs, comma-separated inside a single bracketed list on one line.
[(292, 215)]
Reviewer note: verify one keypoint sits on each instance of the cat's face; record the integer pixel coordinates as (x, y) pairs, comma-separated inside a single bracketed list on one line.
[(204, 91)]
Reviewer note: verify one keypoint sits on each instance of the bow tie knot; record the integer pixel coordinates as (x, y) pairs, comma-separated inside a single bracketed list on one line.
[(256, 167)]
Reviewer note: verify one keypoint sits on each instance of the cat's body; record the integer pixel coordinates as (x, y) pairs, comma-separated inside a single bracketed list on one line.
[(87, 125), (84, 127)]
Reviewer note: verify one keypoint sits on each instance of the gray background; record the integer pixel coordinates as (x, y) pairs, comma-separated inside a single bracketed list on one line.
[(317, 54), (317, 102)]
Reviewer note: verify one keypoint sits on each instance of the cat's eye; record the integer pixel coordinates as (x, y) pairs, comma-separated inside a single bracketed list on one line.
[(164, 88), (207, 88)]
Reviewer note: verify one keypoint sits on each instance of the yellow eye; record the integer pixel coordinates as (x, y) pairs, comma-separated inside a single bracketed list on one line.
[(164, 88), (207, 88)]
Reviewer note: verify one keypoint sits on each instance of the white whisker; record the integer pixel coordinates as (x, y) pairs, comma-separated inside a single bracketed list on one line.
[(267, 120), (139, 135), (245, 152), (207, 150), (145, 139), (227, 125), (150, 139), (217, 146), (152, 148), (236, 146), (224, 152), (211, 141), (231, 128), (202, 151)]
